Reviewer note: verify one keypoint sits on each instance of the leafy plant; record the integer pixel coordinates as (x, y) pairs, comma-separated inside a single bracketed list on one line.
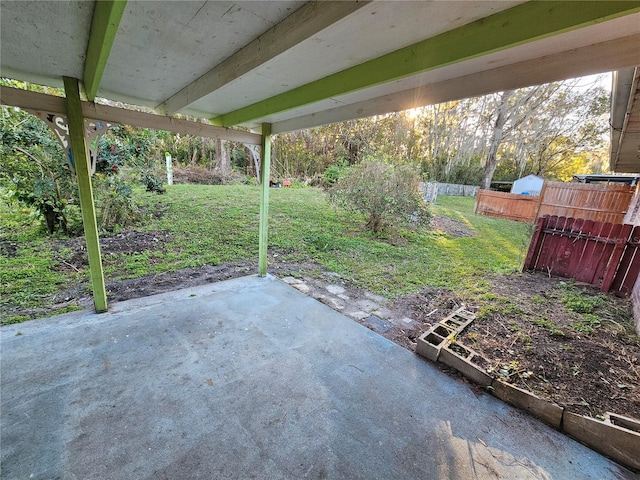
[(115, 204), (34, 168), (335, 172), (588, 324), (549, 326), (387, 195)]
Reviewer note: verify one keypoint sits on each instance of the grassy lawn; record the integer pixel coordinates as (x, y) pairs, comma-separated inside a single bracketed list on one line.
[(219, 224)]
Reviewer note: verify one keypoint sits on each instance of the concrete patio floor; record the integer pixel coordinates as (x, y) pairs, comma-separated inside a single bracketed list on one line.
[(249, 378)]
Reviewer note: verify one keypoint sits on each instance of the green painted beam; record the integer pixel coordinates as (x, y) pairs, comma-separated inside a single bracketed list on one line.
[(516, 26), (83, 176), (265, 173), (104, 27)]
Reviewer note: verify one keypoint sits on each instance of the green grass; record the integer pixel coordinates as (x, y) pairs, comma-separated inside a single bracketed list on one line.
[(219, 224)]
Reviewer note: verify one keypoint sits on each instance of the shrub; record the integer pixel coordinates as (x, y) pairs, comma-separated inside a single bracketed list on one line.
[(114, 203), (335, 172), (388, 195)]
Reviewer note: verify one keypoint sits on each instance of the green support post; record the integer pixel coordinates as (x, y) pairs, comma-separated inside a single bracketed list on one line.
[(265, 168), (83, 176)]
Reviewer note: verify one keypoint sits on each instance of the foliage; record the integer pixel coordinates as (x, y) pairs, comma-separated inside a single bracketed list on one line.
[(333, 173), (388, 195), (34, 169), (115, 205)]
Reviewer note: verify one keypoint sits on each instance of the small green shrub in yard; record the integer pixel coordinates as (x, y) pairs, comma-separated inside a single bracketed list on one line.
[(116, 207), (388, 195)]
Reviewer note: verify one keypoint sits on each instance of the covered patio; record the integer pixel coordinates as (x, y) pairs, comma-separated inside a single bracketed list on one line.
[(249, 378)]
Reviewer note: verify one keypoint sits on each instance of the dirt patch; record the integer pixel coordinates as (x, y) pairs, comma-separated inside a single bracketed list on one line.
[(450, 226), (588, 362)]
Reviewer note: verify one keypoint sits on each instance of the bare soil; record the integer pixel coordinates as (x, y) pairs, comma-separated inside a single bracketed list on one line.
[(536, 345), (524, 329)]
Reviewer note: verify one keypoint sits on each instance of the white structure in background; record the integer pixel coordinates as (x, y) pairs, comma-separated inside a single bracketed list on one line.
[(529, 185), (167, 159)]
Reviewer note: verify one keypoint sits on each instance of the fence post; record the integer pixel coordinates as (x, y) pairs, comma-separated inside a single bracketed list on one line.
[(534, 246), (616, 256), (542, 192)]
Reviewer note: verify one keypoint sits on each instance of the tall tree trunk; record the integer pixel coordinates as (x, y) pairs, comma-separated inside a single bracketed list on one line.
[(496, 138)]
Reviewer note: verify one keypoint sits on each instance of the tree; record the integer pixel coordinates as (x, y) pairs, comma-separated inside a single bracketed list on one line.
[(388, 195)]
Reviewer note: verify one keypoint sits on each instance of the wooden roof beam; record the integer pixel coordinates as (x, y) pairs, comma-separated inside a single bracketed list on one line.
[(48, 103), (597, 58), (104, 27), (516, 26), (297, 27)]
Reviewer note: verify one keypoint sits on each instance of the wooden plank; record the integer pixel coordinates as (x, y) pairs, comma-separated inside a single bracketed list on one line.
[(621, 444), (548, 245), (633, 272), (535, 244), (548, 412), (48, 103), (616, 256), (87, 207), (590, 256), (294, 29), (579, 244), (607, 252), (588, 229), (628, 272), (265, 171), (564, 250)]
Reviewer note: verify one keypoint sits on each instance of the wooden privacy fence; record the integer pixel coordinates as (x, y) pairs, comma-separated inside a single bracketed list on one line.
[(512, 206), (603, 254), (600, 203)]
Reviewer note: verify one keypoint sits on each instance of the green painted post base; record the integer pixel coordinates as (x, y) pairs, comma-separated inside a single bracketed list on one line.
[(265, 169)]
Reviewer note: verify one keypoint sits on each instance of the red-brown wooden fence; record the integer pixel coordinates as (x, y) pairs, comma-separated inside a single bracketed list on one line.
[(600, 203), (603, 254)]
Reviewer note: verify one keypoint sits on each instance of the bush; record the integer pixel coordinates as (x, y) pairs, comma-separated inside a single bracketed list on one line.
[(387, 195), (115, 206), (335, 172)]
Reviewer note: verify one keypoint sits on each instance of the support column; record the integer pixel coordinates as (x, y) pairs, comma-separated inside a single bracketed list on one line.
[(265, 169), (83, 176)]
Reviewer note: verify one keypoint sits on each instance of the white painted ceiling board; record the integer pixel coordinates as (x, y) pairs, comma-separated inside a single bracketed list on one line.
[(42, 41), (160, 49), (370, 32)]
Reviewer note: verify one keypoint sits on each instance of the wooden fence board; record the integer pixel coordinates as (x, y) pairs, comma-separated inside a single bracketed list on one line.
[(629, 267), (603, 254), (521, 208), (563, 250), (534, 249), (580, 243), (616, 256), (545, 259)]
